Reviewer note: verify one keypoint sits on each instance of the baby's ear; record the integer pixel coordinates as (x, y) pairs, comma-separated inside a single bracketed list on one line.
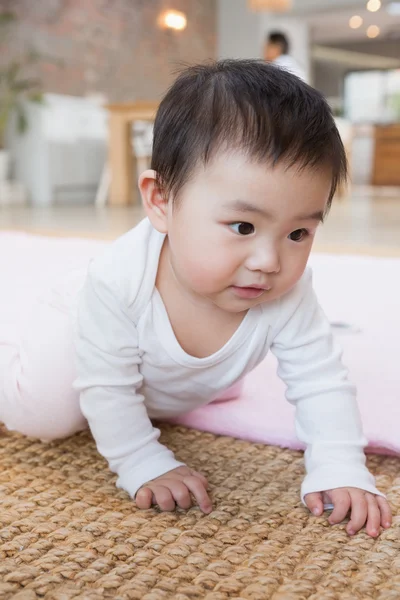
[(154, 202)]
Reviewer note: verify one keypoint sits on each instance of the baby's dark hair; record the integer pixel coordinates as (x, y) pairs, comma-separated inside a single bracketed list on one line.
[(249, 105)]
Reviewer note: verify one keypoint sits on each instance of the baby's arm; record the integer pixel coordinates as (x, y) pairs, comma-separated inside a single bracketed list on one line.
[(327, 416), (109, 380)]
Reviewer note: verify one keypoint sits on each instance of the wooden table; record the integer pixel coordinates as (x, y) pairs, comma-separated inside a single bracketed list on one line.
[(120, 156), (387, 155)]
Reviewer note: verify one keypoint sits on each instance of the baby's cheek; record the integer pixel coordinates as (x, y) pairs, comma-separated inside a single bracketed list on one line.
[(207, 275), (202, 277), (294, 275)]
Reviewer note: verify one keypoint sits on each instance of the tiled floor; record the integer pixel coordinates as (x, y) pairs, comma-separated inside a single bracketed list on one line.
[(367, 222)]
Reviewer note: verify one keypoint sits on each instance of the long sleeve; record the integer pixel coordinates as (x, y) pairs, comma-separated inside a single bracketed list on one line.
[(327, 416), (109, 381)]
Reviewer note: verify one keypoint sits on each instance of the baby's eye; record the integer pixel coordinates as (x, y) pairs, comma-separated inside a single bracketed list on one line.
[(242, 228), (298, 235)]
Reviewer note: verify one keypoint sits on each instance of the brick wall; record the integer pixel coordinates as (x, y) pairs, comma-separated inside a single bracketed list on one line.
[(112, 47)]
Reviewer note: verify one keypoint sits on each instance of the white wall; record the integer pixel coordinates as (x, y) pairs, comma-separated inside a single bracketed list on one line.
[(310, 6), (238, 31)]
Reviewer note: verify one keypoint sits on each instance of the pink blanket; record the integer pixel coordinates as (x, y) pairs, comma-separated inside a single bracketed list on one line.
[(361, 292)]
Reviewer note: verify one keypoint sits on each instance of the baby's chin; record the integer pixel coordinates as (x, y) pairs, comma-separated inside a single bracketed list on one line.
[(238, 305)]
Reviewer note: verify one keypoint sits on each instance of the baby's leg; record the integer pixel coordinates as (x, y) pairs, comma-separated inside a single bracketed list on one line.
[(37, 373)]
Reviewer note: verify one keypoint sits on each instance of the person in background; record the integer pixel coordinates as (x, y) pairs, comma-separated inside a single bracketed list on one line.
[(277, 50)]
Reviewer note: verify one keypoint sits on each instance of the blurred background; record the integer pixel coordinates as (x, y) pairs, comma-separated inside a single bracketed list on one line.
[(80, 82)]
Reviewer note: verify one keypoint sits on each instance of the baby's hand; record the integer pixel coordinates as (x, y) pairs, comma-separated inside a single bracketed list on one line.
[(365, 508), (175, 488)]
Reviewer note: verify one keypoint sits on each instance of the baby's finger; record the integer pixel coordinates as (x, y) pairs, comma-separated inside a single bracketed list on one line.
[(144, 498), (163, 497), (201, 477), (386, 512), (314, 503), (359, 512), (374, 516), (181, 494), (199, 492), (341, 503)]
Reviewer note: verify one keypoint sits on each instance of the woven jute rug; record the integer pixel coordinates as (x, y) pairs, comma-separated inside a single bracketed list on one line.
[(67, 532)]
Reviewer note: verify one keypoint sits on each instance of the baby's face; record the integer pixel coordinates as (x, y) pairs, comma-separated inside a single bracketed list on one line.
[(242, 232)]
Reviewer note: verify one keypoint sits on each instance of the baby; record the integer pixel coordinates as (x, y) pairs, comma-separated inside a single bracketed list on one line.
[(246, 161)]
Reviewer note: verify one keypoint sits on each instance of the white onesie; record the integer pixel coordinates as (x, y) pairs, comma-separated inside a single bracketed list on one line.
[(131, 369)]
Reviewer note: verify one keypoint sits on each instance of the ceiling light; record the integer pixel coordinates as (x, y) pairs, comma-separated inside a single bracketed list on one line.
[(373, 31), (374, 5), (356, 22), (270, 5), (393, 8), (173, 19)]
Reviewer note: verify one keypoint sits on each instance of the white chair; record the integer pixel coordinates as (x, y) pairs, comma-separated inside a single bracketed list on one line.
[(142, 146)]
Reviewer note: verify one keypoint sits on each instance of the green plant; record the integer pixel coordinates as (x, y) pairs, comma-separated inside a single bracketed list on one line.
[(15, 86)]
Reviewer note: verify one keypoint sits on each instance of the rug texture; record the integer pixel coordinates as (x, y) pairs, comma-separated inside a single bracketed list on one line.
[(67, 532)]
